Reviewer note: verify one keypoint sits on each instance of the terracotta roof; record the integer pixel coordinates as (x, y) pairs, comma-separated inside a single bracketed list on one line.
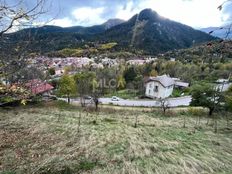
[(38, 87)]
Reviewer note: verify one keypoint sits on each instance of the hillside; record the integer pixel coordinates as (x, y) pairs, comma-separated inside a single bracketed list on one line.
[(146, 32), (154, 34), (75, 29), (218, 51), (35, 140)]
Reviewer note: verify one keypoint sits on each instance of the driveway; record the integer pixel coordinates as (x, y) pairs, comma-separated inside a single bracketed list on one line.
[(172, 102)]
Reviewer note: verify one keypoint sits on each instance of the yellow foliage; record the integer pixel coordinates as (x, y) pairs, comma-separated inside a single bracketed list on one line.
[(107, 46), (71, 52), (23, 102), (153, 73)]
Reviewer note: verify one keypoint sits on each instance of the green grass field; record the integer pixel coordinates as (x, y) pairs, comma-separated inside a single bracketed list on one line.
[(46, 140)]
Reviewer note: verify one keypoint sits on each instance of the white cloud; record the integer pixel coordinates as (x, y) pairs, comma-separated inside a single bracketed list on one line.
[(196, 13), (87, 16), (64, 22), (127, 12)]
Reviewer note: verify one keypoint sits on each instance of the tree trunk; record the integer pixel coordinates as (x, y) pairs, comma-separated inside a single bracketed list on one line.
[(211, 111), (96, 106), (82, 101), (227, 121), (136, 120), (164, 110), (215, 124), (184, 122), (68, 99), (79, 122)]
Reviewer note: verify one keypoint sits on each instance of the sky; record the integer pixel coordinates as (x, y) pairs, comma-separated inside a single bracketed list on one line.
[(195, 13)]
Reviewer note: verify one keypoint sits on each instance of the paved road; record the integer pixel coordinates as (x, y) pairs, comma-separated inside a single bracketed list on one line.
[(172, 102)]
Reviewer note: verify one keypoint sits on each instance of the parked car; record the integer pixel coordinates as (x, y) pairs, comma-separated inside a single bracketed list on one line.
[(114, 98)]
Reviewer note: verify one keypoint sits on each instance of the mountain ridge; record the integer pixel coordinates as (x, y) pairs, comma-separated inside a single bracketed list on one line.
[(78, 29), (147, 32), (220, 32), (156, 33)]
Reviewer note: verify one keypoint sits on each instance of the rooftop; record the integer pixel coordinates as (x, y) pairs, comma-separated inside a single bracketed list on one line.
[(164, 80)]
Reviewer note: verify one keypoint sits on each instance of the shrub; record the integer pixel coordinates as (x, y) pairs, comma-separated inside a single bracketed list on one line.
[(196, 111)]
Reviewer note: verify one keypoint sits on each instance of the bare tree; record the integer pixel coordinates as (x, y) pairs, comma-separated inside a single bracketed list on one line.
[(17, 16), (136, 120), (164, 104), (13, 18), (95, 96), (14, 55), (228, 28)]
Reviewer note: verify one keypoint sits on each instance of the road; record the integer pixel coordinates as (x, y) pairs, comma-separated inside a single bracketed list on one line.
[(172, 102)]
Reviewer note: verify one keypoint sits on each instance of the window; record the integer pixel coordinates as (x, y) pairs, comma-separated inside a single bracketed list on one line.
[(150, 85), (156, 89)]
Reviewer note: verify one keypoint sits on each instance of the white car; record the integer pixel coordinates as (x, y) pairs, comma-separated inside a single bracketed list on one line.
[(114, 98)]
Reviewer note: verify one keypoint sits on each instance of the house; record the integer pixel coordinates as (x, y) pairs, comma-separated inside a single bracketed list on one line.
[(223, 84), (180, 84), (97, 66), (37, 87), (136, 62), (107, 62), (172, 59), (159, 87), (59, 72)]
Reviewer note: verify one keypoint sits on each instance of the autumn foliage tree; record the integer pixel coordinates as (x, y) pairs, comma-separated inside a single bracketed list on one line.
[(67, 86)]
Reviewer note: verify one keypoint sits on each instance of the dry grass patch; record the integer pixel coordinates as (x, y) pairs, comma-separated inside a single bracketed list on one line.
[(34, 140)]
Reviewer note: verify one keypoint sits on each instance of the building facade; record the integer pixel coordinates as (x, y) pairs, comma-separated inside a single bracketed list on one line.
[(159, 87)]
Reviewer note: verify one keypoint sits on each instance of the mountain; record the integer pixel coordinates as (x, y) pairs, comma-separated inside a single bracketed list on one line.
[(76, 29), (146, 32), (153, 34), (220, 32), (112, 22)]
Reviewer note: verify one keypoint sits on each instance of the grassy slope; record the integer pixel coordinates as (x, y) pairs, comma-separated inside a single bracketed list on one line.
[(33, 141)]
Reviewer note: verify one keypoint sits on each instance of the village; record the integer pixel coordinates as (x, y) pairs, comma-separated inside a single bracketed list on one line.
[(77, 63), (154, 87), (115, 87)]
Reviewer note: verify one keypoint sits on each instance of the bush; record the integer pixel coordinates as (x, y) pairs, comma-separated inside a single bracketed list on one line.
[(176, 93), (196, 111)]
